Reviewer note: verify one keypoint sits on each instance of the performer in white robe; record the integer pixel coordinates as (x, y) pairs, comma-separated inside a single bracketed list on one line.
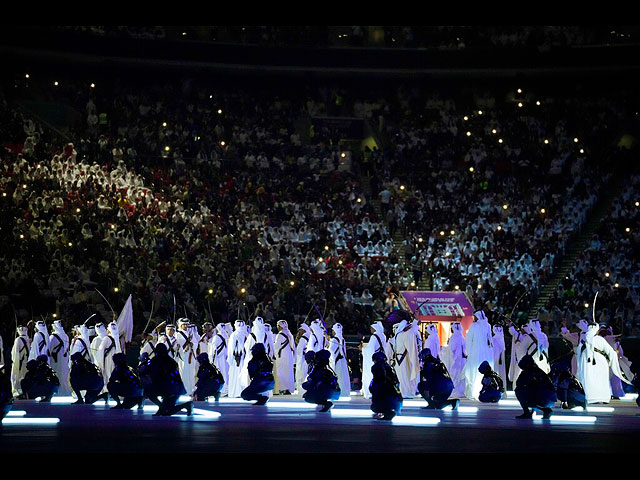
[(186, 355), (541, 355), (108, 348), (415, 328), (625, 364), (499, 353), (479, 349), (149, 344), (59, 352), (235, 358), (317, 340), (575, 339), (208, 332), (432, 341), (454, 356), (269, 344), (257, 335), (338, 360), (40, 342), (170, 339), (100, 332), (523, 342), (377, 343), (19, 359), (617, 391), (228, 330), (304, 333), (81, 343), (285, 356), (407, 362), (595, 357), (218, 355)]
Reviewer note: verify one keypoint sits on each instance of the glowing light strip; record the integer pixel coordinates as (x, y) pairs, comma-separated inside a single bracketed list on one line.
[(397, 420), (351, 412), (197, 411), (355, 394), (185, 398), (629, 396), (291, 405), (70, 400), (228, 400), (415, 421), (207, 413), (511, 394), (594, 409), (567, 418), (16, 413), (449, 408), (30, 421), (344, 399), (63, 400)]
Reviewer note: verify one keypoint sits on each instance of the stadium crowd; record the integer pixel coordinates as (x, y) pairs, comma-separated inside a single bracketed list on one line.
[(608, 267), (215, 202)]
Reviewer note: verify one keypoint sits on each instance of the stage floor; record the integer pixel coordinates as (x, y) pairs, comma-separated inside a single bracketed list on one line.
[(288, 425)]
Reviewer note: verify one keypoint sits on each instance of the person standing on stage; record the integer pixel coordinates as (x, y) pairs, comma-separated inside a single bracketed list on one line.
[(284, 363), (338, 349), (235, 358)]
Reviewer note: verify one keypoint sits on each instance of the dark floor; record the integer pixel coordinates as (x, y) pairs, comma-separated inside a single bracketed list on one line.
[(287, 424)]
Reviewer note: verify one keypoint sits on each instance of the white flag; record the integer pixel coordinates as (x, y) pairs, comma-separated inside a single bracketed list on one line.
[(125, 321)]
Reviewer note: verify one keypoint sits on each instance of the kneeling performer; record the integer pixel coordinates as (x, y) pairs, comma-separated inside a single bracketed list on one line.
[(322, 383), (435, 383), (124, 382), (260, 371), (386, 399), (534, 389)]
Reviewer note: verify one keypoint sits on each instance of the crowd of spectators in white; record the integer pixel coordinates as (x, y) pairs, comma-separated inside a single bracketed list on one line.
[(214, 195), (608, 267)]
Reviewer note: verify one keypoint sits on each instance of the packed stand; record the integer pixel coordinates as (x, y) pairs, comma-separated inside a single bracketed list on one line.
[(488, 198), (608, 267), (204, 220)]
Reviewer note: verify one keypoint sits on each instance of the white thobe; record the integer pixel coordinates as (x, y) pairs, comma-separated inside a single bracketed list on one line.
[(453, 356), (375, 344), (407, 363), (284, 362), (187, 361), (235, 359), (59, 350), (19, 359), (301, 364), (593, 369), (479, 349), (218, 355), (108, 348), (339, 364)]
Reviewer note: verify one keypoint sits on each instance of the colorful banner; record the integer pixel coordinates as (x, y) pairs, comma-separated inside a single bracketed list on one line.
[(441, 307), (439, 304)]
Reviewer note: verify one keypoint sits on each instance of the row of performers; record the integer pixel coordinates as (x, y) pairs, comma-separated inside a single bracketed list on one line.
[(597, 359), (184, 344), (158, 379), (595, 362)]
